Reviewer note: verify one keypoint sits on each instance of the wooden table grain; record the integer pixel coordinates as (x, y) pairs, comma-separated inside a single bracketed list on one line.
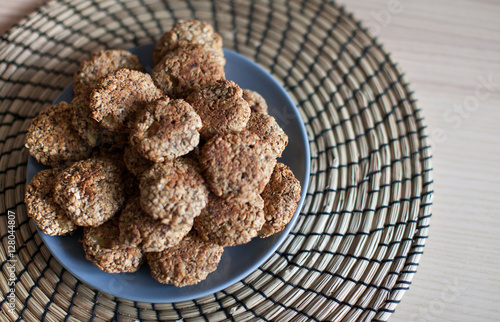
[(450, 53)]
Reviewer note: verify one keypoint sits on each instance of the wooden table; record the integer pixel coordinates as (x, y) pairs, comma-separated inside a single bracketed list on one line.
[(450, 52)]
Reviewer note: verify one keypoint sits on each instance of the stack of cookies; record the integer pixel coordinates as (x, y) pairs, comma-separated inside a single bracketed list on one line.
[(167, 168)]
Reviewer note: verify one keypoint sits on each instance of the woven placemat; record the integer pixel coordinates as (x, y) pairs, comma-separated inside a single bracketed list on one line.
[(361, 233)]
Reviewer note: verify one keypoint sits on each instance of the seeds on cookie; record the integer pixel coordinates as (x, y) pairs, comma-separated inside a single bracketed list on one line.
[(91, 191), (101, 63), (102, 247), (280, 196), (52, 140), (165, 130), (237, 164), (173, 192), (186, 68), (139, 229), (117, 95), (185, 33), (230, 221), (256, 102), (187, 263), (221, 107), (41, 206), (265, 126)]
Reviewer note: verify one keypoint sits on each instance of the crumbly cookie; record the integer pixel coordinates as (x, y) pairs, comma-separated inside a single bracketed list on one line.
[(102, 248), (237, 164), (41, 206), (221, 107), (101, 63), (256, 102), (230, 221), (173, 192), (135, 162), (52, 140), (265, 126), (186, 68), (91, 191), (188, 263), (185, 33), (117, 95), (139, 229), (165, 130), (281, 196)]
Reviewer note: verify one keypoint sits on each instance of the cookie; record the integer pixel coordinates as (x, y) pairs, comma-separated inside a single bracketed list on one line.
[(256, 102), (135, 162), (165, 130), (265, 126), (173, 192), (102, 248), (51, 139), (119, 94), (280, 196), (236, 165), (139, 229), (230, 221), (41, 206), (185, 33), (90, 191), (185, 68), (188, 263), (101, 63), (221, 107)]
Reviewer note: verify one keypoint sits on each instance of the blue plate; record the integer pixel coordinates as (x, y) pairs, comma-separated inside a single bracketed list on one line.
[(237, 262)]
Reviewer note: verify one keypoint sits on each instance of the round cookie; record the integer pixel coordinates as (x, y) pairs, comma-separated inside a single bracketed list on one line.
[(52, 140), (101, 63), (256, 102), (237, 165), (102, 248), (135, 162), (188, 263), (165, 130), (90, 191), (119, 94), (186, 68), (265, 126), (173, 192), (280, 196), (185, 33), (221, 107), (139, 229), (229, 221), (41, 206)]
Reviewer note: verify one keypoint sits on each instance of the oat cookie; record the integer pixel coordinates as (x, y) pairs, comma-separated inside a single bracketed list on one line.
[(185, 33), (139, 229), (101, 63), (165, 130), (52, 140), (281, 196), (173, 192), (91, 191), (236, 164), (102, 248), (256, 102), (135, 162), (186, 68), (41, 206), (188, 263), (229, 221), (116, 96), (221, 107), (265, 126)]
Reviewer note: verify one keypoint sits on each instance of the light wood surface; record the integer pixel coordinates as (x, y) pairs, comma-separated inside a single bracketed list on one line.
[(450, 53)]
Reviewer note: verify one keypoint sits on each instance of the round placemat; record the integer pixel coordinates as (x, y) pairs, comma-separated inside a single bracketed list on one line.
[(361, 232)]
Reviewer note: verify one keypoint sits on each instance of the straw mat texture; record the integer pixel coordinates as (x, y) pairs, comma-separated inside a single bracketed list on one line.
[(361, 233)]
